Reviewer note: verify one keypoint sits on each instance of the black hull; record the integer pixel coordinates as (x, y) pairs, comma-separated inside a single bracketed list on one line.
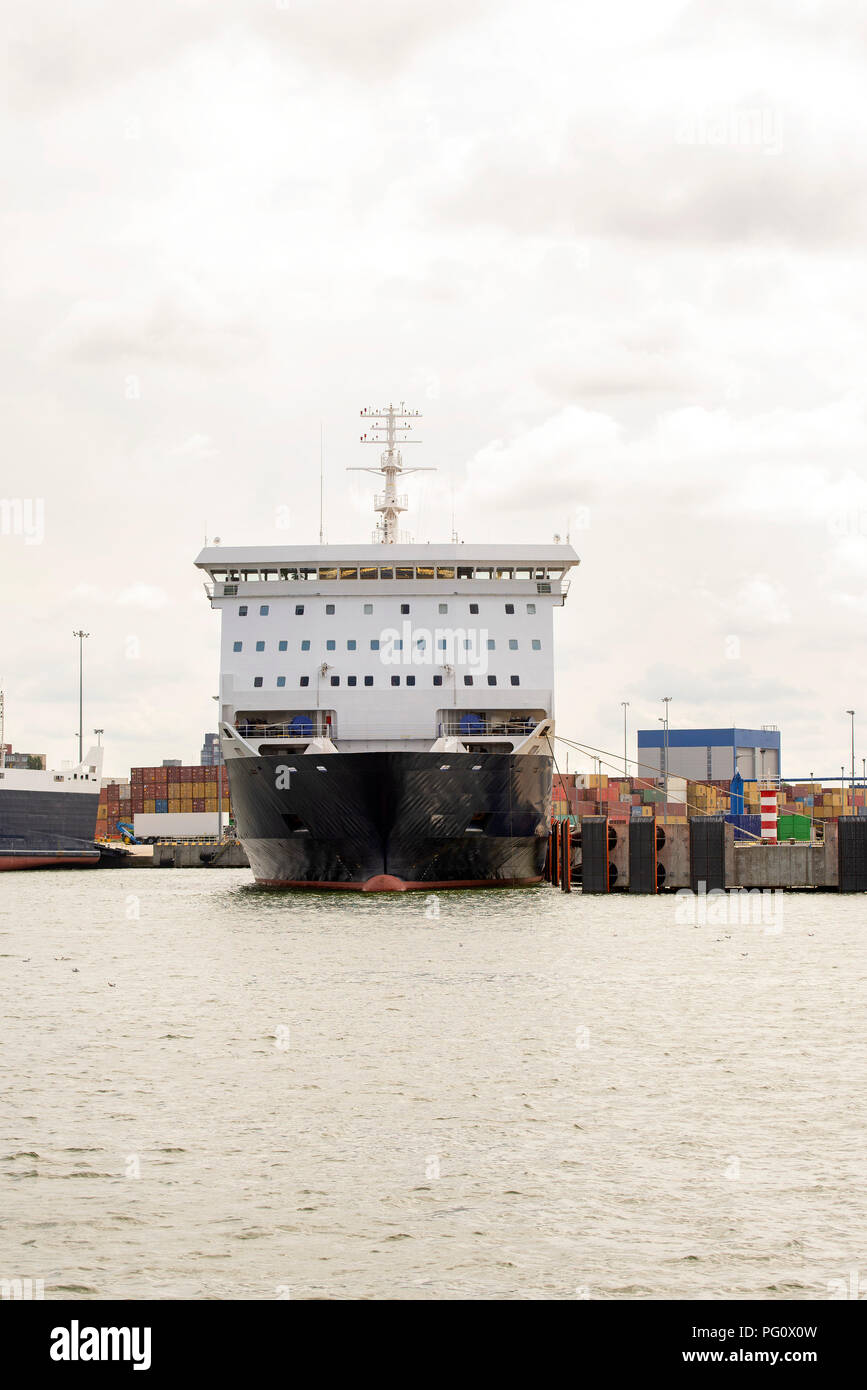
[(46, 821), (393, 820)]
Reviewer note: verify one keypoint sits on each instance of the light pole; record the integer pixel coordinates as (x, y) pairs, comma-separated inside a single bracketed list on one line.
[(99, 733), (851, 714), (625, 704), (666, 700), (81, 636)]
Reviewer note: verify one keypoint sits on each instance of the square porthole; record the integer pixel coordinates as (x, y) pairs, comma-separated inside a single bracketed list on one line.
[(510, 607), (335, 680), (305, 680), (329, 609), (260, 646), (330, 645), (282, 646), (474, 608), (442, 608), (468, 680), (299, 610), (257, 681), (515, 680), (531, 607), (395, 680), (281, 680), (305, 645), (410, 680), (536, 644), (404, 608), (352, 680), (242, 611), (513, 644), (368, 608), (350, 645), (492, 680), (264, 610), (437, 680), (237, 646), (368, 680)]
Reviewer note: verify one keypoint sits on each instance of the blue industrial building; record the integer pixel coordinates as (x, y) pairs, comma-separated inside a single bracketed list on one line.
[(710, 755)]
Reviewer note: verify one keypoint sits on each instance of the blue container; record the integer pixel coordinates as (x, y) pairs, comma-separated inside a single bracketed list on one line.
[(736, 795), (746, 827), (161, 806)]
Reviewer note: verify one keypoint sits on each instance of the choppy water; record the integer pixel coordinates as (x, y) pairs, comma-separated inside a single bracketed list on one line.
[(241, 1095)]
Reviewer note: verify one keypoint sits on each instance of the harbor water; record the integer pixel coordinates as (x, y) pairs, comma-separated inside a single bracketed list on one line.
[(212, 1091)]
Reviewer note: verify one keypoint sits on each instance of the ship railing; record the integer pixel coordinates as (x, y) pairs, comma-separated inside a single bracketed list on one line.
[(487, 728), (309, 727)]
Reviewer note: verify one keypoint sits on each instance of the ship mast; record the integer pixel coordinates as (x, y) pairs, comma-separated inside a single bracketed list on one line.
[(389, 503)]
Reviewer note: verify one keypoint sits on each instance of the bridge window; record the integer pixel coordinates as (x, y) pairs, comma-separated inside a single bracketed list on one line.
[(328, 574), (403, 572), (445, 571), (465, 572), (367, 572), (348, 573)]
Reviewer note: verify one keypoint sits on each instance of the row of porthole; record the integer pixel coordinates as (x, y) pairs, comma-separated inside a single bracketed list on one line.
[(259, 681), (330, 609), (397, 645)]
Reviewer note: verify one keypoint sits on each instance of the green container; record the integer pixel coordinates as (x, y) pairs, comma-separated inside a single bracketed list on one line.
[(653, 794), (793, 827)]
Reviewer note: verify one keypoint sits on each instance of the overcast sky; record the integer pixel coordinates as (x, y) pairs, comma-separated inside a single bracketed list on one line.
[(613, 253)]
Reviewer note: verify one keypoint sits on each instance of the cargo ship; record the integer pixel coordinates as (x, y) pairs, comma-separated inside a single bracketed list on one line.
[(48, 818), (387, 708)]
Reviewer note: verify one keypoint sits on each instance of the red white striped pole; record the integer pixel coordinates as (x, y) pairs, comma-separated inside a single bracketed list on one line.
[(769, 814)]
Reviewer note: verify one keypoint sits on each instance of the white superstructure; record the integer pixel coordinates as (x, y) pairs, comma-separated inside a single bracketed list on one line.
[(388, 648)]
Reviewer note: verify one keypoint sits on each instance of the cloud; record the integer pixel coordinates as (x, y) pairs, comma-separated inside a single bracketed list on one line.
[(147, 596), (177, 327)]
